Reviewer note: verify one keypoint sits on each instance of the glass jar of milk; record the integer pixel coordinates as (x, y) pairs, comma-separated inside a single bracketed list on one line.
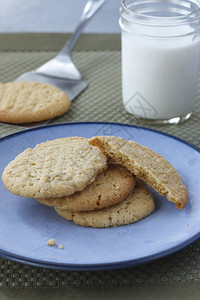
[(160, 58)]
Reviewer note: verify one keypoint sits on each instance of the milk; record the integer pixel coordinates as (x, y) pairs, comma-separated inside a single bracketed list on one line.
[(159, 76)]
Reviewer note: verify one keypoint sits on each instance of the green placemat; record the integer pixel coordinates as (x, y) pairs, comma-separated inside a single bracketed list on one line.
[(98, 58)]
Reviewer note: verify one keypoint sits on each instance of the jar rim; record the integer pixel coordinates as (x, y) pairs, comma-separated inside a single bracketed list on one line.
[(143, 18)]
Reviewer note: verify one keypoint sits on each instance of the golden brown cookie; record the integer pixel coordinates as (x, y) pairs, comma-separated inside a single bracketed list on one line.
[(109, 188), (27, 102), (147, 165), (137, 206), (54, 169)]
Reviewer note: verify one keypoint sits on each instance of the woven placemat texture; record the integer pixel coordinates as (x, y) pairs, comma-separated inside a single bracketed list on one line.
[(100, 102)]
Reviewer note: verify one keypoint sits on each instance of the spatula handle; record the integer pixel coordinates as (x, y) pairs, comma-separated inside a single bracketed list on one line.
[(90, 9)]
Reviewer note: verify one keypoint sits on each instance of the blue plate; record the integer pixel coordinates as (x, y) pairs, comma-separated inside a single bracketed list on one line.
[(26, 225)]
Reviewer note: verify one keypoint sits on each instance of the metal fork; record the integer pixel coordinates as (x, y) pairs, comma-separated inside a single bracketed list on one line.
[(61, 71)]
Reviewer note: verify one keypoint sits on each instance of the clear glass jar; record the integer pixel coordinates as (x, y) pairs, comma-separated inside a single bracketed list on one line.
[(160, 58)]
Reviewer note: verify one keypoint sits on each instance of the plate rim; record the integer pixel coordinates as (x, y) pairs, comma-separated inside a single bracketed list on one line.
[(24, 130), (98, 266)]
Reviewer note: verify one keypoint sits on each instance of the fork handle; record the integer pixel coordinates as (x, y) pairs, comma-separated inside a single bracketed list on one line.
[(91, 7)]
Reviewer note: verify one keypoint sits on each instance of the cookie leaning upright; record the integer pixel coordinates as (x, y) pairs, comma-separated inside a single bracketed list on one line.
[(27, 102), (148, 165), (54, 169)]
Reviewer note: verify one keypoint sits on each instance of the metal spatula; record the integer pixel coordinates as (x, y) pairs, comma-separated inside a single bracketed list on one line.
[(61, 71)]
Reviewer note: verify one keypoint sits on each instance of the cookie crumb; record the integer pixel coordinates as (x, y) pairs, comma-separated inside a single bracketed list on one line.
[(60, 246), (51, 242)]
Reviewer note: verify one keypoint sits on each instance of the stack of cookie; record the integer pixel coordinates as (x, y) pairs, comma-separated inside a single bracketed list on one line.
[(99, 182)]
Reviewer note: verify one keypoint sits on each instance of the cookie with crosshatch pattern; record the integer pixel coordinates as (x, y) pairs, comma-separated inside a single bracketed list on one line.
[(54, 168), (27, 102)]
